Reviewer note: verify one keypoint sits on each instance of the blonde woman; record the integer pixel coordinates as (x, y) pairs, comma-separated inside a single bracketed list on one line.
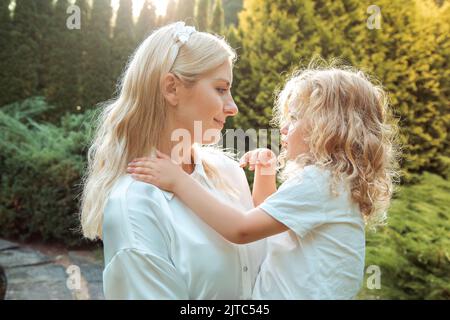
[(154, 246), (339, 176)]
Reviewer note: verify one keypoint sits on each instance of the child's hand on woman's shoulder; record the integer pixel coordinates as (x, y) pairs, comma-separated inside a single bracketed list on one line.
[(160, 171)]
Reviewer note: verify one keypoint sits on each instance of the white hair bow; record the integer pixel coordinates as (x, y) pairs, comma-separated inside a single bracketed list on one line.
[(182, 32)]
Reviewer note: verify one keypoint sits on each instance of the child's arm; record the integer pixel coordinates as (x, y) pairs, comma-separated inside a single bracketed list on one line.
[(263, 161), (234, 225), (263, 186)]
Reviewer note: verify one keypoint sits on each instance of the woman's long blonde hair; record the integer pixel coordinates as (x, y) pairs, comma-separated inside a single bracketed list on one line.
[(129, 126), (350, 131)]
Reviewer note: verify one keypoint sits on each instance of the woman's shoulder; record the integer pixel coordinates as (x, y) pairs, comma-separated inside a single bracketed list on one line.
[(132, 209), (130, 199), (126, 187)]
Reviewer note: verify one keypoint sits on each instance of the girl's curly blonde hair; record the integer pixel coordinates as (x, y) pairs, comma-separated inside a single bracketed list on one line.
[(350, 131)]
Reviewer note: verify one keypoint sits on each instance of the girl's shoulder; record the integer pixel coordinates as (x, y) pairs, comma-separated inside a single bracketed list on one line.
[(310, 176)]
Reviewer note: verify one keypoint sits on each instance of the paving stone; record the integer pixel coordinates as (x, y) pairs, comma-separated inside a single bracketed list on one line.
[(92, 271), (33, 275), (4, 244), (16, 257), (38, 282), (96, 290)]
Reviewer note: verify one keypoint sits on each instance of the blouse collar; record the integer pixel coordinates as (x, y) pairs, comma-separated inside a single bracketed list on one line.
[(199, 170)]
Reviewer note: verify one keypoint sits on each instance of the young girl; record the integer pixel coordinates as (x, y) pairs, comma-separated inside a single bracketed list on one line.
[(338, 159)]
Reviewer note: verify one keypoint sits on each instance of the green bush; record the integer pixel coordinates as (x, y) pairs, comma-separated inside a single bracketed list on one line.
[(412, 252), (41, 165)]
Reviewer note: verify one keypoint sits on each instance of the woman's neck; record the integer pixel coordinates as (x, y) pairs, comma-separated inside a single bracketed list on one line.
[(186, 160), (188, 167)]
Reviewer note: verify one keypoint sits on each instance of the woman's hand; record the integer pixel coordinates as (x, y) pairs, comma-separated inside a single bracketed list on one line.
[(263, 159), (160, 171)]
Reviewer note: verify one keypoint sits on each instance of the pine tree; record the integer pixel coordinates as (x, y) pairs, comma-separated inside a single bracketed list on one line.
[(147, 21), (80, 49), (233, 38), (231, 9), (171, 11), (8, 79), (202, 15), (44, 10), (442, 32), (62, 81), (218, 20), (186, 11), (98, 76), (275, 36), (26, 50), (405, 55), (437, 20), (123, 42)]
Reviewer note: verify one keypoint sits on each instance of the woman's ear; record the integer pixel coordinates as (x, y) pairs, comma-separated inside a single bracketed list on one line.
[(170, 88)]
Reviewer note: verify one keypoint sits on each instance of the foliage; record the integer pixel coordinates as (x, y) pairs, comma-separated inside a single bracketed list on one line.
[(409, 55), (41, 165), (218, 18), (412, 252)]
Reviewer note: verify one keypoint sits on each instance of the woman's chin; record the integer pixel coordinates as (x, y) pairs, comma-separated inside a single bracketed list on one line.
[(211, 136)]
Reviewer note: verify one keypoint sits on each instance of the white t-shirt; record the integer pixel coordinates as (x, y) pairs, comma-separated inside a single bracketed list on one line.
[(322, 255)]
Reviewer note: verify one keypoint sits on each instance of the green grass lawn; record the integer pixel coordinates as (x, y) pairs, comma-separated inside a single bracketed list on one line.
[(412, 251)]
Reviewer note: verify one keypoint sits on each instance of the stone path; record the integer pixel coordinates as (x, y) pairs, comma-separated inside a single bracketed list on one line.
[(37, 272)]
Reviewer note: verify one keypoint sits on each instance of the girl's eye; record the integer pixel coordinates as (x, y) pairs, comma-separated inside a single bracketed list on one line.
[(292, 118)]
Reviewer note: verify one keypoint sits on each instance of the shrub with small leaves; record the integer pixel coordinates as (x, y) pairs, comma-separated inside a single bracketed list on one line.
[(41, 167)]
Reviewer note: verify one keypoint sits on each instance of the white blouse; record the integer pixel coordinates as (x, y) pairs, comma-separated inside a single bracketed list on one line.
[(157, 248)]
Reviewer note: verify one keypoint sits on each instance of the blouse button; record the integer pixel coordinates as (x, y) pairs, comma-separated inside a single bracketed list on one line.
[(245, 268)]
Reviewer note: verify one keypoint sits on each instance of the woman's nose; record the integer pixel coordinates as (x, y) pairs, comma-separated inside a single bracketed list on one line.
[(231, 108)]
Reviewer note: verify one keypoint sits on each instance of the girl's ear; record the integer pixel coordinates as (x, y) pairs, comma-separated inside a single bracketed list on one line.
[(169, 87)]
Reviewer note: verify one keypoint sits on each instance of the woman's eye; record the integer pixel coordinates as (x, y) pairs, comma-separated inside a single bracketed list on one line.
[(222, 91), (292, 118)]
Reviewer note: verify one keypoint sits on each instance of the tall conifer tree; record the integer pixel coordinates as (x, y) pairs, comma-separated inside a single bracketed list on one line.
[(202, 15), (8, 78), (218, 18), (123, 42), (98, 78), (26, 50), (147, 21)]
